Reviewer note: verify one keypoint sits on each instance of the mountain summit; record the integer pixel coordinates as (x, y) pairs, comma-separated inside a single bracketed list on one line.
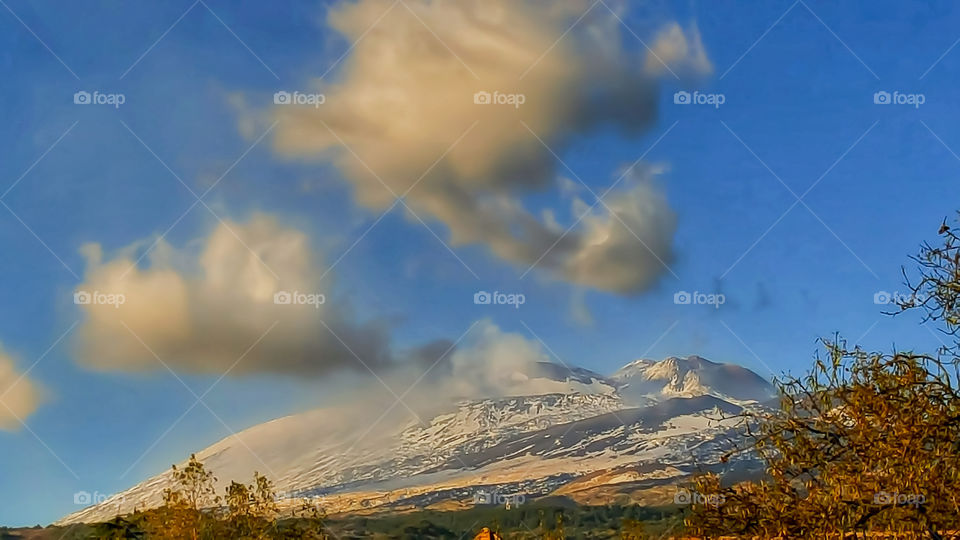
[(690, 377), (573, 433)]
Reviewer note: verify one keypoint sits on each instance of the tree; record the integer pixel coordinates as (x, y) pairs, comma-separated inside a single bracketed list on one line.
[(556, 533), (185, 513), (192, 510), (308, 521), (251, 510), (865, 441), (632, 529), (119, 528)]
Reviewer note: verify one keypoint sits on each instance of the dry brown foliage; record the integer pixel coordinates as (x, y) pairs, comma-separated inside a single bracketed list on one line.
[(192, 510), (865, 444)]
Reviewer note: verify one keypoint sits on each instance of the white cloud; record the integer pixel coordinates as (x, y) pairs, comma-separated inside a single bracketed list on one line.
[(679, 52), (202, 308), (490, 363), (406, 94), (19, 396)]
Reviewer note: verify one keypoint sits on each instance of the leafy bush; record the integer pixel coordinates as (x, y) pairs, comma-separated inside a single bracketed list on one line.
[(863, 442)]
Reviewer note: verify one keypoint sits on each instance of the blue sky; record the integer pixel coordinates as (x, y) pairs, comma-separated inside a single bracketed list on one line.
[(798, 82)]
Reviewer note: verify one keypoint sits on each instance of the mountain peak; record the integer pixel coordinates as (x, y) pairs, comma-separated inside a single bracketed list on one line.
[(689, 377)]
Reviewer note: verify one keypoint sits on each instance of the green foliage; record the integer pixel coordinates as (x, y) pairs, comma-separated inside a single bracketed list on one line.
[(532, 521), (308, 522)]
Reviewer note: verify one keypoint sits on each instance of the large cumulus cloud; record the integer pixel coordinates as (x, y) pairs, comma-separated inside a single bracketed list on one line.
[(401, 116), (209, 307)]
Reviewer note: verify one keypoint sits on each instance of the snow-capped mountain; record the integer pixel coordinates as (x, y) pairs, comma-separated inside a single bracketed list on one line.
[(574, 432), (689, 377)]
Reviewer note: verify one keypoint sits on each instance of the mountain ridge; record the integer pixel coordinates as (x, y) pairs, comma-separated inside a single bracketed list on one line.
[(657, 417)]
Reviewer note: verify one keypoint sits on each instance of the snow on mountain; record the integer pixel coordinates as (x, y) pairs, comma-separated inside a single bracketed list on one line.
[(689, 377), (659, 417), (539, 378)]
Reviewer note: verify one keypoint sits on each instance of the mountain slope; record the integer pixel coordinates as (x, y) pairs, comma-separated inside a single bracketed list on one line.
[(660, 418)]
